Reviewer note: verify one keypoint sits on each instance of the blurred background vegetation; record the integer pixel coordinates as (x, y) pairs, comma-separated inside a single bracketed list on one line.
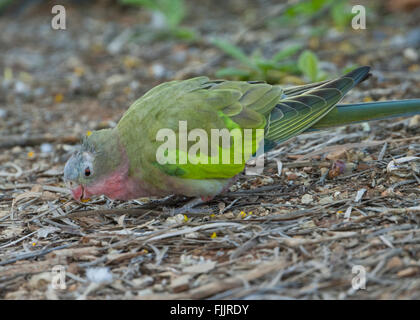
[(286, 42)]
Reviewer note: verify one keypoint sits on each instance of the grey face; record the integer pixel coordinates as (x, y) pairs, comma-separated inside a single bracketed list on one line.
[(79, 168)]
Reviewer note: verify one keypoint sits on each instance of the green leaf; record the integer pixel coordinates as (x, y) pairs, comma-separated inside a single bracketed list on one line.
[(150, 4), (287, 52), (232, 72), (307, 8), (4, 3), (308, 65), (350, 68), (234, 52), (184, 33), (265, 64), (288, 67), (341, 14), (174, 11)]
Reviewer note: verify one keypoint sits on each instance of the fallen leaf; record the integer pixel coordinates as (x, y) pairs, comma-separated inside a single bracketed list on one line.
[(180, 283), (200, 267), (411, 271), (394, 262), (307, 198)]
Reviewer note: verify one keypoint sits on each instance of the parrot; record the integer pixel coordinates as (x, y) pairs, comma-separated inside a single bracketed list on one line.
[(122, 163)]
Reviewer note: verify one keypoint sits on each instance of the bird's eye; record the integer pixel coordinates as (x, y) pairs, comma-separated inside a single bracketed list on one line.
[(87, 172)]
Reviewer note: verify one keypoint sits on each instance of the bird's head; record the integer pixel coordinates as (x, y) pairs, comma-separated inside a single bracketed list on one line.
[(88, 168)]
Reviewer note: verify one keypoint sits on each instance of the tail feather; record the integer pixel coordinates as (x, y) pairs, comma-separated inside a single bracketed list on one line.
[(302, 109), (295, 114), (344, 114), (358, 75)]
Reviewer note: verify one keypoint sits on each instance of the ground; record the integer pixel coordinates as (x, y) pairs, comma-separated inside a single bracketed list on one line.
[(329, 206)]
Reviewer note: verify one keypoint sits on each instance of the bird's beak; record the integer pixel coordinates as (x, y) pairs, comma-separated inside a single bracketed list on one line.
[(77, 190), (78, 193)]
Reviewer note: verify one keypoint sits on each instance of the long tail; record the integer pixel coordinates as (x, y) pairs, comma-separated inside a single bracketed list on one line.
[(344, 114), (296, 113)]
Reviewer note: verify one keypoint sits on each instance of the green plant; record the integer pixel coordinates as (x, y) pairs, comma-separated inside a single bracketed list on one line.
[(341, 14), (349, 68), (173, 13), (173, 10), (255, 66), (4, 4), (309, 66), (337, 11)]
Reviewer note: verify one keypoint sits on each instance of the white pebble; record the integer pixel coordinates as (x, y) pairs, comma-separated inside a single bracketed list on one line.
[(46, 148), (307, 198), (3, 113), (158, 70), (411, 54), (99, 275)]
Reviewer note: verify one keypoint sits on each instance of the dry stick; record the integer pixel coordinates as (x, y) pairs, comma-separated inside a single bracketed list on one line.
[(193, 229), (17, 241), (33, 140), (16, 175), (37, 217), (382, 153), (164, 234), (354, 174), (355, 145), (37, 253), (296, 242), (246, 247), (401, 183), (385, 211), (310, 163), (213, 288), (30, 267), (119, 211)]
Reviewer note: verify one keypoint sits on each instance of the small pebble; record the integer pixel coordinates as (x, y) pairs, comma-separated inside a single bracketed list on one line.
[(307, 198), (46, 148), (411, 54), (99, 275), (21, 88), (158, 70), (3, 113)]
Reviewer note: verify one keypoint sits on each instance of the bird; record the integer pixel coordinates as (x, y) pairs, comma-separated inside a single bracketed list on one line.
[(128, 161)]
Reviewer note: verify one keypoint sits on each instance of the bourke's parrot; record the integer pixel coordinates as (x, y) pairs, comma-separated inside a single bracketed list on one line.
[(121, 163)]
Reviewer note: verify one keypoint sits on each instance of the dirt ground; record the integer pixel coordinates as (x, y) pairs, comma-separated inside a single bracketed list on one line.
[(328, 205)]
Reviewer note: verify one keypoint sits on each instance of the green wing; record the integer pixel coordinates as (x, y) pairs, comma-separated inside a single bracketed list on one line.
[(232, 105), (297, 112), (205, 105)]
